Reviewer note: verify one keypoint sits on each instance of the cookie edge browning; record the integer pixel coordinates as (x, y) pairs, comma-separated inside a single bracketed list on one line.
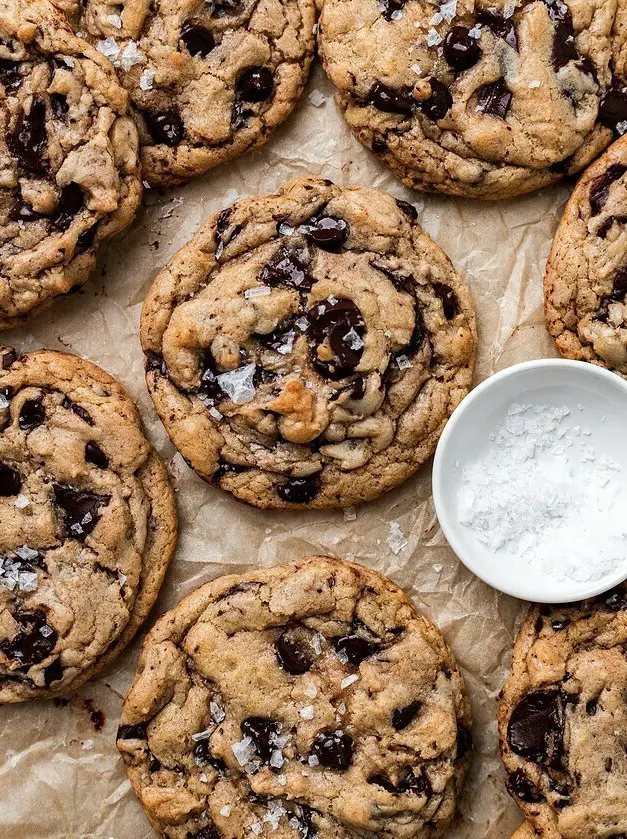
[(158, 306), (557, 316), (51, 42), (162, 534), (176, 622)]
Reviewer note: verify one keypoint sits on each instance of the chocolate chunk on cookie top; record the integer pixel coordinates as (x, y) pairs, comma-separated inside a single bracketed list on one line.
[(208, 80), (585, 285), (248, 716), (87, 523), (486, 99), (305, 349), (69, 172), (563, 720)]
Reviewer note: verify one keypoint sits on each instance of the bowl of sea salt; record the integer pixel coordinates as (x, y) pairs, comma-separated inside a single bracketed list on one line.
[(530, 480)]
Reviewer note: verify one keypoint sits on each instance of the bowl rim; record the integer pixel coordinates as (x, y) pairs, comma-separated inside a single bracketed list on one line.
[(447, 523)]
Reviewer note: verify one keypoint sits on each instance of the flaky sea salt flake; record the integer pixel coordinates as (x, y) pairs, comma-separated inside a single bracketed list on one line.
[(403, 362), (238, 384), (217, 713), (349, 680), (433, 39), (449, 10), (131, 56), (21, 501), (317, 98), (109, 47), (396, 539), (115, 20), (243, 750), (146, 79), (307, 713), (257, 291)]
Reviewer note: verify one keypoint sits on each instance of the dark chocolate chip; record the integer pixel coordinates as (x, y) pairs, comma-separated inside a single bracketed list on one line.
[(197, 39), (32, 414), (334, 749), (70, 202), (410, 211), (502, 27), (356, 647), (298, 490), (564, 49), (10, 481), (291, 654), (601, 186), (382, 781), (154, 764), (86, 238), (287, 267), (558, 624), (220, 8), (358, 388), (10, 74), (28, 140), (209, 387), (53, 672), (615, 600), (391, 100), (327, 232), (77, 409), (416, 784), (448, 298), (337, 326), (34, 641), (81, 510), (8, 359), (536, 726), (464, 742), (494, 99), (166, 128), (439, 103), (209, 831), (132, 732), (59, 106), (401, 717), (20, 211), (226, 468), (94, 454), (592, 707), (263, 732), (280, 339), (204, 757), (255, 84), (389, 7), (613, 107), (461, 50), (521, 787)]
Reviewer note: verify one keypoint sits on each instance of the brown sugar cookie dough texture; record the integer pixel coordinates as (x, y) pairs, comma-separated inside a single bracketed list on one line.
[(305, 701), (585, 285), (563, 719), (484, 99), (69, 174), (87, 523), (306, 348), (526, 831), (208, 79)]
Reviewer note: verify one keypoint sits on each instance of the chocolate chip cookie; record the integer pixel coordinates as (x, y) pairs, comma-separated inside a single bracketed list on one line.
[(305, 349), (87, 522), (69, 173), (305, 700), (483, 99), (526, 831), (208, 80), (563, 719), (585, 285)]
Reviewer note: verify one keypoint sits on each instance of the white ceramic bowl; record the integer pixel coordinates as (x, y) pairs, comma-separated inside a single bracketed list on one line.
[(597, 400)]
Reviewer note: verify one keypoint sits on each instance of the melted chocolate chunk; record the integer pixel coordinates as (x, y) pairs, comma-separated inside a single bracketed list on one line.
[(607, 224), (613, 107), (59, 106), (209, 831), (10, 74), (77, 409), (34, 641), (601, 186), (334, 749), (32, 414), (132, 732), (81, 510), (94, 454), (416, 784), (87, 237), (494, 99), (536, 727), (327, 232), (461, 50), (448, 298), (166, 128), (401, 717), (521, 787), (10, 481), (615, 600), (298, 490), (154, 764), (280, 339), (564, 49), (358, 388), (355, 647), (70, 202), (558, 625), (8, 359), (28, 141), (592, 707), (204, 757), (501, 27), (464, 742), (226, 468), (291, 654), (382, 781), (20, 211), (390, 7), (226, 7), (340, 327), (53, 672), (263, 732), (197, 39), (287, 267), (255, 84), (410, 211), (391, 100), (209, 387), (439, 103)]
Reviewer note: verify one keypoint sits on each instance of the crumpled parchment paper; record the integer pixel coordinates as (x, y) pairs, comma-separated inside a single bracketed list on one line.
[(60, 774)]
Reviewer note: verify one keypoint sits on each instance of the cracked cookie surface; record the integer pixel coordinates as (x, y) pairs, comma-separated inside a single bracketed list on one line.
[(307, 348), (87, 523), (585, 284), (483, 99), (563, 719), (208, 80), (305, 700), (69, 172)]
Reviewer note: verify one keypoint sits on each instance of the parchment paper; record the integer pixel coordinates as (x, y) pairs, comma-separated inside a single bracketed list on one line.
[(61, 777)]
